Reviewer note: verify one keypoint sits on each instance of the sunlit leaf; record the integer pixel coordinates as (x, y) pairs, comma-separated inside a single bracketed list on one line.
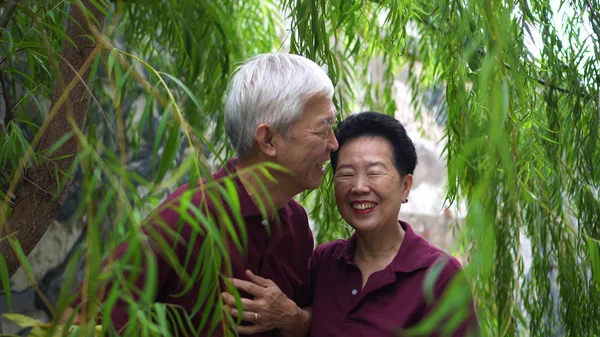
[(23, 321)]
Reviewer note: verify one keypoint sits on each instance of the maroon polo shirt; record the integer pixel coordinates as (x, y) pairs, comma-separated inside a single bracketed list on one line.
[(392, 298), (276, 250)]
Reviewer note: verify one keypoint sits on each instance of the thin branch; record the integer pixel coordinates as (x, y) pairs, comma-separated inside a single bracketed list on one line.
[(541, 81), (8, 13), (8, 116), (594, 20), (551, 86)]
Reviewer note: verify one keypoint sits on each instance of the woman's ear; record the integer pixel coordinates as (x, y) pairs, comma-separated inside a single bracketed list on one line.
[(406, 182), (264, 136)]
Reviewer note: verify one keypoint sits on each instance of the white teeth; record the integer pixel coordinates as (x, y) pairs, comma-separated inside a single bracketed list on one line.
[(363, 206)]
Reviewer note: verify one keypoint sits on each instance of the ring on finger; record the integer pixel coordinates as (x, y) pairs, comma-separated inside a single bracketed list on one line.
[(256, 317)]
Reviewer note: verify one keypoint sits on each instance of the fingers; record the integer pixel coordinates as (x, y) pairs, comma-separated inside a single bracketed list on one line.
[(261, 281), (250, 317), (247, 304), (249, 287), (247, 316)]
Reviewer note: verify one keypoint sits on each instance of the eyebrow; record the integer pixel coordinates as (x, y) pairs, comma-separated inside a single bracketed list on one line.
[(348, 166), (331, 121), (377, 163), (344, 166)]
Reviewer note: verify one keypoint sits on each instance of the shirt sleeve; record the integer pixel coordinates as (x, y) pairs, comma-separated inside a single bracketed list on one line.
[(304, 296)]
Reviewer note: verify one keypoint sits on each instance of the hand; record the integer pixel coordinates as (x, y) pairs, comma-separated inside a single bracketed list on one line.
[(66, 315), (270, 309)]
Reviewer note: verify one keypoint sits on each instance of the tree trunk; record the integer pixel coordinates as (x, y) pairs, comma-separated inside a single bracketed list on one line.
[(38, 198)]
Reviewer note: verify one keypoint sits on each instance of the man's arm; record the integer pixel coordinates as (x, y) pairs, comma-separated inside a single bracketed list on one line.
[(270, 309), (78, 310)]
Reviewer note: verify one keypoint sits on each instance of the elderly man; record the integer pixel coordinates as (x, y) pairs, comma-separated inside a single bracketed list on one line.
[(278, 110)]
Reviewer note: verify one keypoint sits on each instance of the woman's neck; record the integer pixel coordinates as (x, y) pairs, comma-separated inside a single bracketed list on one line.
[(377, 249), (381, 244)]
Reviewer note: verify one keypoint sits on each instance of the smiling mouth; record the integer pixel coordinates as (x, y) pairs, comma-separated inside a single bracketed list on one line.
[(363, 207)]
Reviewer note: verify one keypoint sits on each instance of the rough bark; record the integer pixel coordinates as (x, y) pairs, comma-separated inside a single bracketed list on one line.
[(38, 198)]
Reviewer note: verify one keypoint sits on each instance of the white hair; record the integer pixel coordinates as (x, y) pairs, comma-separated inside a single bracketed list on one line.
[(272, 89)]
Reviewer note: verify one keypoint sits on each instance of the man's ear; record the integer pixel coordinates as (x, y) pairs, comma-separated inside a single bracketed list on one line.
[(264, 136)]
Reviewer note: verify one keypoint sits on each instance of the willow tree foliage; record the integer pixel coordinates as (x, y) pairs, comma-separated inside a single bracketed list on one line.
[(521, 110)]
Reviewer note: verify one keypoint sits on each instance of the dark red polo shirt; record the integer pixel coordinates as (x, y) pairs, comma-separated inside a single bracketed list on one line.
[(392, 298), (281, 255)]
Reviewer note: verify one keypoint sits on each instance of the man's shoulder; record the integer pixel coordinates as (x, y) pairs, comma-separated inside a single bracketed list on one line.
[(186, 191), (197, 191), (296, 209)]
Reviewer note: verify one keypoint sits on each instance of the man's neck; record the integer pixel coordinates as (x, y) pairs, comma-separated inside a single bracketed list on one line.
[(261, 188)]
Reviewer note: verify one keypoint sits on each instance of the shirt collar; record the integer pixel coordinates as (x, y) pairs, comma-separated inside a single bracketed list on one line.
[(247, 205), (414, 253)]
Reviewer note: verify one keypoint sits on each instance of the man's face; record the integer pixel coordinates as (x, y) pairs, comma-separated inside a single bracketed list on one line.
[(312, 140)]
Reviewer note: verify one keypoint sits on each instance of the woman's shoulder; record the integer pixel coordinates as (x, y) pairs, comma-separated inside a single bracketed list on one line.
[(324, 257), (330, 247), (423, 254), (327, 252)]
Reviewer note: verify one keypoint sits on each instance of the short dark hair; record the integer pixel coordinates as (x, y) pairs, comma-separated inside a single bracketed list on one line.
[(376, 124)]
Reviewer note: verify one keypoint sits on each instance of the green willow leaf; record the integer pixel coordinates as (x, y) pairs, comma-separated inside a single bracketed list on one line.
[(5, 282)]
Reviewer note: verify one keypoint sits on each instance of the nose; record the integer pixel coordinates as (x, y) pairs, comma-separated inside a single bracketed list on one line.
[(360, 186), (332, 143)]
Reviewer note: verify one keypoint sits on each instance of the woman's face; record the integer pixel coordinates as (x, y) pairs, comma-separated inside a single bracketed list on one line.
[(368, 188)]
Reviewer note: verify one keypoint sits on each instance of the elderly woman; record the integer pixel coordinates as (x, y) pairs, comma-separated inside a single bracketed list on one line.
[(373, 283)]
